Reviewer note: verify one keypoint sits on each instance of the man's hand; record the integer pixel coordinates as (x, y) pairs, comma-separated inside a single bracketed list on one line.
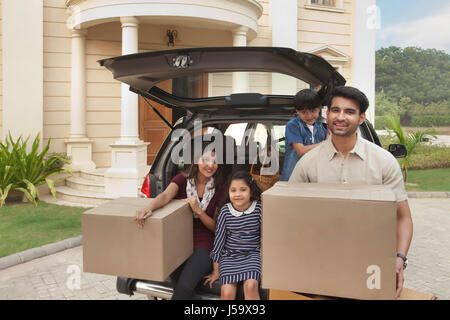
[(141, 215), (400, 276)]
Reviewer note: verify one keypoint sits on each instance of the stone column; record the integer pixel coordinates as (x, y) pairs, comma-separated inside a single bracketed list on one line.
[(240, 80), (130, 101), (129, 153), (78, 146)]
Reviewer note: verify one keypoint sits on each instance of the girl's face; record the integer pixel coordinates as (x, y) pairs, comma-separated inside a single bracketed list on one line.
[(239, 193), (207, 165)]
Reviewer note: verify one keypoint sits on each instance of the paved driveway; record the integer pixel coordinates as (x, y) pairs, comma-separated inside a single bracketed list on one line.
[(429, 254), (59, 276)]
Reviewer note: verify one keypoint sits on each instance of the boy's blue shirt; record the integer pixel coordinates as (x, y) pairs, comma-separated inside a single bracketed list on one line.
[(298, 132)]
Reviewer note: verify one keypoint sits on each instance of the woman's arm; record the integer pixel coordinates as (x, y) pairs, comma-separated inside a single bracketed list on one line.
[(160, 201), (208, 222)]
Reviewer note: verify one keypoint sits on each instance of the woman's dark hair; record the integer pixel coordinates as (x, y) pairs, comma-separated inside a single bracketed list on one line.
[(192, 171), (353, 94), (255, 191), (307, 99)]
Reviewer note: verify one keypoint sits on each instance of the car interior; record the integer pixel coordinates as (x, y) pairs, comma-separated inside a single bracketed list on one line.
[(247, 144)]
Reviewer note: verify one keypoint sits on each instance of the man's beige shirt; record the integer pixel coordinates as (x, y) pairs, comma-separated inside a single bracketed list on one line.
[(367, 163)]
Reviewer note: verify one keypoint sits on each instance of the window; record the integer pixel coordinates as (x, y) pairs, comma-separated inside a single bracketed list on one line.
[(326, 5), (251, 140), (330, 3)]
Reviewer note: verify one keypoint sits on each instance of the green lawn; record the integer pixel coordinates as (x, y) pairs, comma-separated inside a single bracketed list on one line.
[(429, 180), (24, 226)]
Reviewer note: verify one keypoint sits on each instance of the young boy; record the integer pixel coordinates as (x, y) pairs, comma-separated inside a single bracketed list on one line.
[(303, 133)]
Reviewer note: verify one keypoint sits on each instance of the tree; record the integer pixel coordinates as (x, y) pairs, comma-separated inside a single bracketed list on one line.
[(384, 106), (421, 75)]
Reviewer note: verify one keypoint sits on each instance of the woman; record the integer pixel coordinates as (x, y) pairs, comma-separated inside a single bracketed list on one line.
[(201, 187)]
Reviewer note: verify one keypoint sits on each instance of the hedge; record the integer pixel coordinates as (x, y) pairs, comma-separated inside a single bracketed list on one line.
[(425, 156), (429, 121), (417, 121)]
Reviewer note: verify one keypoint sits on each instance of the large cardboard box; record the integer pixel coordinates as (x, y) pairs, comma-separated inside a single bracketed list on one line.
[(113, 244), (331, 240), (407, 294)]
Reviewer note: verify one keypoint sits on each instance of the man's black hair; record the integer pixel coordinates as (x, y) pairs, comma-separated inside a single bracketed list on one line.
[(353, 94), (307, 99)]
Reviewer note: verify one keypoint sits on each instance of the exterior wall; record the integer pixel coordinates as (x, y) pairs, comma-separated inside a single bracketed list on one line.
[(22, 69), (57, 74), (259, 82), (284, 18), (103, 106), (364, 38), (1, 73), (318, 28)]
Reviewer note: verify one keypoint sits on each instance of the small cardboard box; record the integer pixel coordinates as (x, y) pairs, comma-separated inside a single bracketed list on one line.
[(331, 240), (113, 244)]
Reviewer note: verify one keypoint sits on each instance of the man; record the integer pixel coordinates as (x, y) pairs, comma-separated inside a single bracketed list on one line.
[(347, 158)]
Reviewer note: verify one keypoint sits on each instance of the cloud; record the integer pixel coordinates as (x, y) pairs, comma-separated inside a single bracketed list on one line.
[(428, 32)]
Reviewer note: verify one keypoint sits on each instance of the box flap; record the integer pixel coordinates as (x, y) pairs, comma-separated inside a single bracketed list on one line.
[(126, 207), (332, 191)]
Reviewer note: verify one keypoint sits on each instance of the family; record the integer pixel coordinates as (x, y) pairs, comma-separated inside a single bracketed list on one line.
[(227, 214)]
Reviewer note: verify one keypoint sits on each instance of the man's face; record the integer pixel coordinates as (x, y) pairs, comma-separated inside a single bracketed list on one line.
[(343, 117)]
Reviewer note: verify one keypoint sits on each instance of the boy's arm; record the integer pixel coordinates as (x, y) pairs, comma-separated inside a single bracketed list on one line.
[(301, 149)]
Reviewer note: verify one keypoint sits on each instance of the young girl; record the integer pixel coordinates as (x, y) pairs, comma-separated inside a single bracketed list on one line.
[(236, 253)]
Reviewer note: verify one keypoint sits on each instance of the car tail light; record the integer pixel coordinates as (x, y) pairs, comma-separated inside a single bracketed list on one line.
[(146, 186)]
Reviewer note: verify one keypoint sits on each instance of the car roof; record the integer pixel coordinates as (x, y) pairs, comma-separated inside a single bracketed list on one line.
[(143, 71)]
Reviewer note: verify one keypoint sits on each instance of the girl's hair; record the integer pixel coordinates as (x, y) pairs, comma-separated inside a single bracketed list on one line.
[(192, 171), (255, 191)]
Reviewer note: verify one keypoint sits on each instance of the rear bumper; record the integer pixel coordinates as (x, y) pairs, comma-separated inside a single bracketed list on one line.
[(164, 290)]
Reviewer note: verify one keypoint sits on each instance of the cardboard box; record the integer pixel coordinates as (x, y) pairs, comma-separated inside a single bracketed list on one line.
[(331, 240), (407, 294), (113, 244)]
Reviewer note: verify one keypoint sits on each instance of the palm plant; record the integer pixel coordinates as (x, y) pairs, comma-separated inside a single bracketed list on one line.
[(409, 140), (6, 171), (26, 171)]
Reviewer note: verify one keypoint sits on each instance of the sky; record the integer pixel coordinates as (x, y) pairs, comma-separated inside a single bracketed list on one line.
[(422, 23)]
